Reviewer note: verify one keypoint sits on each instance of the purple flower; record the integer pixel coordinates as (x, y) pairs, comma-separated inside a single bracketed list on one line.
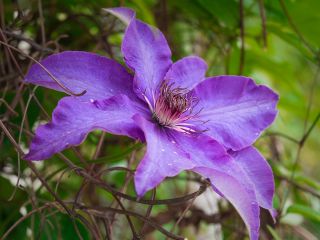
[(189, 122)]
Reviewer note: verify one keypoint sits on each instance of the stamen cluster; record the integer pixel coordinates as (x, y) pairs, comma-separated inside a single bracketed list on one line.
[(173, 107)]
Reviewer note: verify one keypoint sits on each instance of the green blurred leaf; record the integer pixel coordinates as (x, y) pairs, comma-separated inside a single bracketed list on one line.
[(225, 11), (305, 211)]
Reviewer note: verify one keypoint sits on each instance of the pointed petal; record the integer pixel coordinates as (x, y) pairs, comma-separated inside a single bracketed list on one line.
[(170, 152), (123, 13), (227, 177), (260, 174), (237, 110), (78, 71), (241, 197), (73, 119), (187, 72), (162, 159), (146, 52)]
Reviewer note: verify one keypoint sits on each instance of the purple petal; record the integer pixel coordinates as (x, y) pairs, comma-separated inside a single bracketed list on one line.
[(78, 71), (203, 150), (146, 51), (241, 197), (162, 159), (73, 119), (170, 152), (227, 177), (187, 72), (237, 110), (260, 174), (124, 14)]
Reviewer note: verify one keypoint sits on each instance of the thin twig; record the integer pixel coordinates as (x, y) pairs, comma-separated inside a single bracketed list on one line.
[(33, 44), (241, 25), (148, 210), (263, 23), (5, 235), (101, 212)]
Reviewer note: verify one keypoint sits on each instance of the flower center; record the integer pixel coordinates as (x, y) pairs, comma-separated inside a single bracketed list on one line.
[(173, 107)]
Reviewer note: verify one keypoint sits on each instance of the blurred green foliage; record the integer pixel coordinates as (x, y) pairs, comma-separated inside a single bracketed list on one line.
[(287, 60)]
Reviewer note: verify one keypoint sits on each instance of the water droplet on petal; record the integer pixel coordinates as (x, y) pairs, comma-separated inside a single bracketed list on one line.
[(91, 100), (173, 142), (162, 150)]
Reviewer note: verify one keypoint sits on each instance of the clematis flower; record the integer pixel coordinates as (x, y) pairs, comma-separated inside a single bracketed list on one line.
[(188, 121)]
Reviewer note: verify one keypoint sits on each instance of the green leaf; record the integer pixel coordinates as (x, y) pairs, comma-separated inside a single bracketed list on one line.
[(225, 11), (305, 211)]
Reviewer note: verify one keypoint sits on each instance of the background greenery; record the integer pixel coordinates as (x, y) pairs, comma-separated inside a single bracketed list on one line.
[(275, 42)]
